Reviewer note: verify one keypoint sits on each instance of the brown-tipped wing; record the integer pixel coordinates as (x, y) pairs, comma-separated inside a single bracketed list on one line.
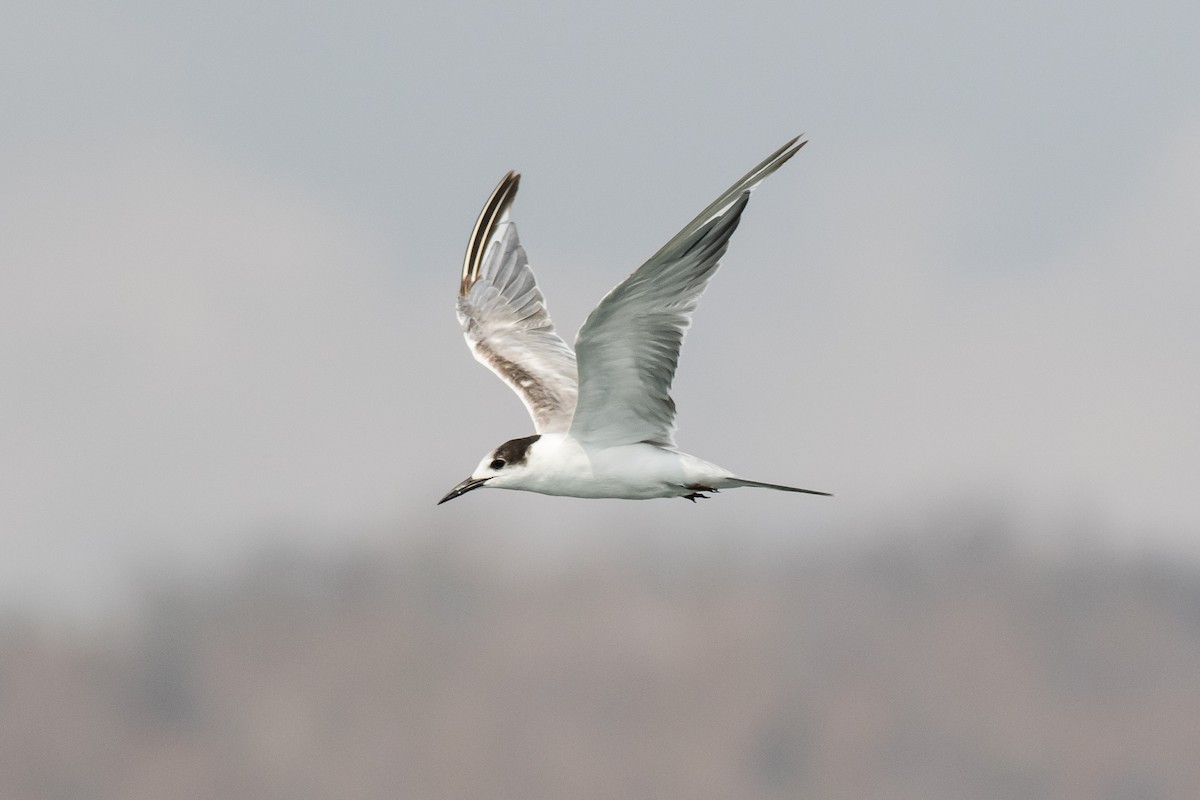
[(504, 317), (629, 346)]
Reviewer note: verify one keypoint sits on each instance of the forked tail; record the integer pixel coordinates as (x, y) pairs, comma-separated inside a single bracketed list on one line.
[(733, 482)]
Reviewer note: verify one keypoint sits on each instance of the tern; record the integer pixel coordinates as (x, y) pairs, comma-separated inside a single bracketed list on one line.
[(603, 413)]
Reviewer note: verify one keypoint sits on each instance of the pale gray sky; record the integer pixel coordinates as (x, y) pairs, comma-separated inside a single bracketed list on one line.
[(229, 241)]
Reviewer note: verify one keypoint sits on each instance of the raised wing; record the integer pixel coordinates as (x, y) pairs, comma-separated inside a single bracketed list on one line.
[(504, 317), (629, 346)]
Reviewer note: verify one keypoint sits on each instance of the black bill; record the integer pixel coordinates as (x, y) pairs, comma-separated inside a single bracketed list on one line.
[(463, 488)]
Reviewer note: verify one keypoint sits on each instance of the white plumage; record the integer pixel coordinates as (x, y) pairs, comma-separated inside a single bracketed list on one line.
[(603, 413)]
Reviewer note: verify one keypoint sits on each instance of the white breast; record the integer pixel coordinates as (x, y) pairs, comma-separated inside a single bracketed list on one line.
[(560, 465)]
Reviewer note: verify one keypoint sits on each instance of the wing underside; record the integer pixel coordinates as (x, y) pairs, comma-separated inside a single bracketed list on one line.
[(505, 321)]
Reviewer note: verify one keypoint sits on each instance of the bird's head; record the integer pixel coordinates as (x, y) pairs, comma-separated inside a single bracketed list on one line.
[(502, 468)]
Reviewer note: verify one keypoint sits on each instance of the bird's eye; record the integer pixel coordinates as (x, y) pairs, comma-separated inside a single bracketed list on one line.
[(498, 463)]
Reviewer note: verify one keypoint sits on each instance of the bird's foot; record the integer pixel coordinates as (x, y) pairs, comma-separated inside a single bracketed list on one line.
[(696, 492)]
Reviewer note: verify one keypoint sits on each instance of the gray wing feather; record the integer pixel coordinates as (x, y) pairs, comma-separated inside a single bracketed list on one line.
[(505, 321), (628, 348)]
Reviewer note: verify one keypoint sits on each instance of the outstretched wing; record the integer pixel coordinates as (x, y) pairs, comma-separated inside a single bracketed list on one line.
[(504, 317), (629, 346)]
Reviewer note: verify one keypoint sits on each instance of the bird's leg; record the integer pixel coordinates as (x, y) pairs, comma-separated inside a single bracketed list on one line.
[(696, 490)]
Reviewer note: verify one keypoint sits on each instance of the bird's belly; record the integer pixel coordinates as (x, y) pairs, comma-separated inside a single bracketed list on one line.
[(632, 472), (611, 487)]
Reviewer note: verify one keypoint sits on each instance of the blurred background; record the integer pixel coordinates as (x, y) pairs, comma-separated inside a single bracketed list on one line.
[(232, 388)]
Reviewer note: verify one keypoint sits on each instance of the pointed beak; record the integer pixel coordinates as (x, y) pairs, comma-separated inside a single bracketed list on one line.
[(463, 488)]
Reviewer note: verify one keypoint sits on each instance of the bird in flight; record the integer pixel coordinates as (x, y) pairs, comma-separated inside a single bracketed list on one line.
[(603, 412)]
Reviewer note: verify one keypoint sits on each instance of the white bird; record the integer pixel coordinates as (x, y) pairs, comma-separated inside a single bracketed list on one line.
[(603, 413)]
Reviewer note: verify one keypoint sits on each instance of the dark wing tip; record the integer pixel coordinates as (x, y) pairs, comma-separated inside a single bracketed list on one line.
[(499, 201), (778, 158)]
